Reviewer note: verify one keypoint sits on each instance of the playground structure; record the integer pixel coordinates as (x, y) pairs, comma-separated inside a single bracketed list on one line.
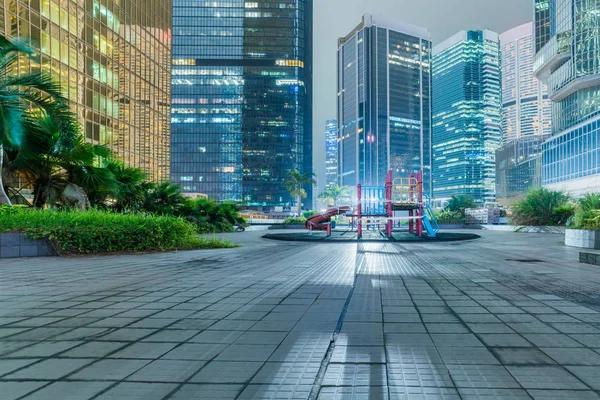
[(379, 205)]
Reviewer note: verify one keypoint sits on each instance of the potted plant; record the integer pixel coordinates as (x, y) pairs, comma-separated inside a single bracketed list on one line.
[(584, 228)]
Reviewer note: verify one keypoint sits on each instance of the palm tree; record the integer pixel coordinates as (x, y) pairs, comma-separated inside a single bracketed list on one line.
[(294, 183), (164, 198), (460, 203), (20, 95), (131, 187), (335, 193)]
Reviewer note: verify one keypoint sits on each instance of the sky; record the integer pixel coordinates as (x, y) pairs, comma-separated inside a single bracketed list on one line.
[(443, 18)]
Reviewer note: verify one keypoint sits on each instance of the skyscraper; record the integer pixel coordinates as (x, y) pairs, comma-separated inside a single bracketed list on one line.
[(384, 95), (113, 59), (526, 108), (466, 115), (242, 98), (526, 121), (331, 152), (567, 54)]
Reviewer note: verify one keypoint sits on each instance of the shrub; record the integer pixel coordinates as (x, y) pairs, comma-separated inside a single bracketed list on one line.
[(542, 207), (450, 218), (96, 231), (587, 213), (294, 221), (309, 213), (460, 203)]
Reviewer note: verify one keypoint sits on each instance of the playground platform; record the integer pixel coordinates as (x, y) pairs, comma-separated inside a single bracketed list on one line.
[(344, 236)]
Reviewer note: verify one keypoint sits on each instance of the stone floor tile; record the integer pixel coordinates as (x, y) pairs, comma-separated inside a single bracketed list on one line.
[(138, 391), (545, 377), (210, 391), (418, 375), (292, 374), (171, 336), (563, 395), (216, 337), (42, 349), (228, 372), (522, 356), (195, 351), (8, 366), (276, 392), (467, 356), (504, 340), (589, 375), (176, 371), (358, 354), (143, 350), (493, 394), (552, 340), (272, 338), (69, 391), (493, 328), (15, 390), (49, 369), (94, 349), (482, 376), (243, 352), (456, 340), (355, 375), (425, 393), (109, 370)]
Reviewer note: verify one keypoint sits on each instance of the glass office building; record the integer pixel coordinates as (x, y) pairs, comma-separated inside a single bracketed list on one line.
[(568, 61), (467, 121), (113, 59), (526, 109), (526, 122), (518, 168), (384, 97), (331, 153), (242, 98)]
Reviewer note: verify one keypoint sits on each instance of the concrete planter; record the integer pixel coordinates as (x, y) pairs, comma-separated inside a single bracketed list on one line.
[(14, 245), (582, 238)]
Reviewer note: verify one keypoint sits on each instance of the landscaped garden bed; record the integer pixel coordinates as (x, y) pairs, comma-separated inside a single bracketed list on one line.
[(95, 231)]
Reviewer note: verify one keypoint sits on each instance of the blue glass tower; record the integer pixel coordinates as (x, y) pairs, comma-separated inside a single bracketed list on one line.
[(242, 98), (384, 102), (567, 59), (467, 121)]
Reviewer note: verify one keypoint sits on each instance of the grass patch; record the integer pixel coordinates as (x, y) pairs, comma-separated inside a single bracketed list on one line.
[(96, 231)]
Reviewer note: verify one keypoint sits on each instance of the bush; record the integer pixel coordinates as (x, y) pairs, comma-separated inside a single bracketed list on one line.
[(460, 203), (587, 213), (212, 217), (309, 213), (96, 231), (450, 218), (542, 207), (295, 221)]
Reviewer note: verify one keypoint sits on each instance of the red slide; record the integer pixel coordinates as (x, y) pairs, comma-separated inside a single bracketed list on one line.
[(320, 221)]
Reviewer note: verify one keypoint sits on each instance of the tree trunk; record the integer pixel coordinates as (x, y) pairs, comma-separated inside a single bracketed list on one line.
[(3, 196), (299, 206)]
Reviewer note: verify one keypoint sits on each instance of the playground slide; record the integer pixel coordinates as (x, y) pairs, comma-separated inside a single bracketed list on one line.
[(430, 223), (319, 222)]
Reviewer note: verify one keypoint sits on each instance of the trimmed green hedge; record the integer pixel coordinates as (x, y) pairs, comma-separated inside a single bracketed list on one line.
[(96, 231), (294, 221)]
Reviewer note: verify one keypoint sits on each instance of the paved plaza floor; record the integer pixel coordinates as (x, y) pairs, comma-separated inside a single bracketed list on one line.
[(507, 316)]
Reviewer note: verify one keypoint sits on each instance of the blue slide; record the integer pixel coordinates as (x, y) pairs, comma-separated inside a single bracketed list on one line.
[(429, 222)]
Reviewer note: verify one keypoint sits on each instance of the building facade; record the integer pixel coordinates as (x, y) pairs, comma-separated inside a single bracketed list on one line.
[(518, 168), (467, 121), (526, 109), (242, 98), (331, 153), (384, 102), (526, 117), (567, 61), (113, 59)]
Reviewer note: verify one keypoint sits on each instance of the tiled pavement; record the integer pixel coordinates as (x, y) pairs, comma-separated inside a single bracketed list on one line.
[(509, 316)]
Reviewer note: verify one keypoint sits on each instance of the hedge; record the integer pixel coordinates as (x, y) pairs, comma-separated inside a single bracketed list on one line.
[(96, 231)]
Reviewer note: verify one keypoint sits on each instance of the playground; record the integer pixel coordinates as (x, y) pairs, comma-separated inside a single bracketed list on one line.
[(400, 211)]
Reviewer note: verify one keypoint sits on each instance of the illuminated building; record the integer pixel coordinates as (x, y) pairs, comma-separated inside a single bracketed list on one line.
[(566, 59), (526, 121), (113, 60), (242, 98), (466, 115), (384, 97), (331, 153)]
